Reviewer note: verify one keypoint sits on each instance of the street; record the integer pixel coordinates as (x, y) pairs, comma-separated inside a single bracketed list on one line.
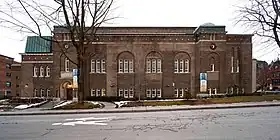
[(230, 124)]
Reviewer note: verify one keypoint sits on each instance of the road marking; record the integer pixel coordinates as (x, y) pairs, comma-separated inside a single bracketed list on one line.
[(85, 121)]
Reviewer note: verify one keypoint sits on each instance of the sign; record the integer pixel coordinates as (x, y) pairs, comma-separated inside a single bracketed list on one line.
[(203, 82), (75, 78)]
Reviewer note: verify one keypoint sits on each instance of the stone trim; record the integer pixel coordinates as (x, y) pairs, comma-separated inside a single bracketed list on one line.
[(37, 62), (49, 54)]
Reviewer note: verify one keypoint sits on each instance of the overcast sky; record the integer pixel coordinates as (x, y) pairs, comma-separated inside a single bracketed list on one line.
[(159, 13)]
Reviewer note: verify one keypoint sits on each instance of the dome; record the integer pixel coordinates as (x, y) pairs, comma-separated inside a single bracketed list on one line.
[(208, 24)]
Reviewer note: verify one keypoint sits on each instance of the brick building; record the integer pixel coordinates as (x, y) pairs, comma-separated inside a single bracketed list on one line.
[(5, 76), (143, 61), (16, 77)]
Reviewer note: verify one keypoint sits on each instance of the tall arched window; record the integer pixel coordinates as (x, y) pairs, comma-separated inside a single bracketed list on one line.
[(125, 62), (35, 71), (153, 63), (42, 70), (182, 63), (48, 71)]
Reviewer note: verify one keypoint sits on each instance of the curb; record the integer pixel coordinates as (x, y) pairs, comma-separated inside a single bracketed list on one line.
[(132, 110)]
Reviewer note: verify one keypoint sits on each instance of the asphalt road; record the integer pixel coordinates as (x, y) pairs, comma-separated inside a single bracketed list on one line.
[(222, 124)]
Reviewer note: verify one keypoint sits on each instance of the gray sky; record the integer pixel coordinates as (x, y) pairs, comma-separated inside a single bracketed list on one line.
[(159, 13)]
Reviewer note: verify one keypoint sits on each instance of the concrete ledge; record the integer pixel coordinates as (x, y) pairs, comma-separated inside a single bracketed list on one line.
[(140, 109)]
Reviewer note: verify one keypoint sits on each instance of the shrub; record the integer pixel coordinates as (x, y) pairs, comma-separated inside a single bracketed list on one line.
[(109, 98)]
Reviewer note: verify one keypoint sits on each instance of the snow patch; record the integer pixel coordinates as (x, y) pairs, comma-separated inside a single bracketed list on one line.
[(121, 103), (95, 103), (63, 104), (5, 100), (30, 105)]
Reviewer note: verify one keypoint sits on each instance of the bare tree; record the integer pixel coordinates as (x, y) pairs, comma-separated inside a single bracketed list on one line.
[(261, 16), (79, 18)]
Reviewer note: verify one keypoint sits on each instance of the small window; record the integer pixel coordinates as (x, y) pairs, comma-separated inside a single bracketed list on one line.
[(93, 92), (176, 66), (181, 66), (212, 66), (176, 93), (8, 84), (131, 69), (97, 66), (148, 66), (120, 92), (48, 92), (148, 93), (125, 66), (237, 66), (42, 93), (126, 95), (181, 93), (48, 71), (187, 66), (131, 93), (8, 66), (154, 65), (103, 92), (35, 71), (120, 66), (103, 66), (67, 65), (154, 93), (92, 66), (98, 93), (159, 93), (232, 65), (17, 86), (158, 65), (42, 70)]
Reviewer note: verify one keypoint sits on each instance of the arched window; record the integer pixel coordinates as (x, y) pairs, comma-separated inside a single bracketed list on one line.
[(125, 62), (48, 71), (182, 63), (42, 71), (35, 71), (153, 63)]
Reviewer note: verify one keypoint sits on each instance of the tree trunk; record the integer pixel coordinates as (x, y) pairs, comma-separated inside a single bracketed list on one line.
[(81, 74)]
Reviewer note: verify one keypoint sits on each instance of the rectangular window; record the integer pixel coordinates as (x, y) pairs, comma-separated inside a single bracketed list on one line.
[(120, 66), (8, 66), (98, 93), (97, 66), (126, 93), (42, 93), (93, 92), (125, 66), (148, 66), (176, 94), (148, 93), (67, 65), (181, 93), (8, 74), (181, 66), (176, 66), (154, 94), (215, 91), (103, 66), (187, 66), (131, 69), (159, 93), (158, 65), (237, 66), (48, 92), (92, 66), (232, 64), (103, 92), (8, 84), (212, 67), (131, 93), (120, 92), (154, 65)]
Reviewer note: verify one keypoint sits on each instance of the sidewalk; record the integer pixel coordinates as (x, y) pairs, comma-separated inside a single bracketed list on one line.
[(145, 109)]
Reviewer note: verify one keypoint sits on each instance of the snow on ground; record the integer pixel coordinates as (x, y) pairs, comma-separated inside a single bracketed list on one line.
[(92, 102), (29, 105), (121, 103), (63, 104), (5, 100)]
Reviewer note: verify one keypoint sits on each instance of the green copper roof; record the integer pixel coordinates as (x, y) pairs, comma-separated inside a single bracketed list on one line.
[(36, 44)]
